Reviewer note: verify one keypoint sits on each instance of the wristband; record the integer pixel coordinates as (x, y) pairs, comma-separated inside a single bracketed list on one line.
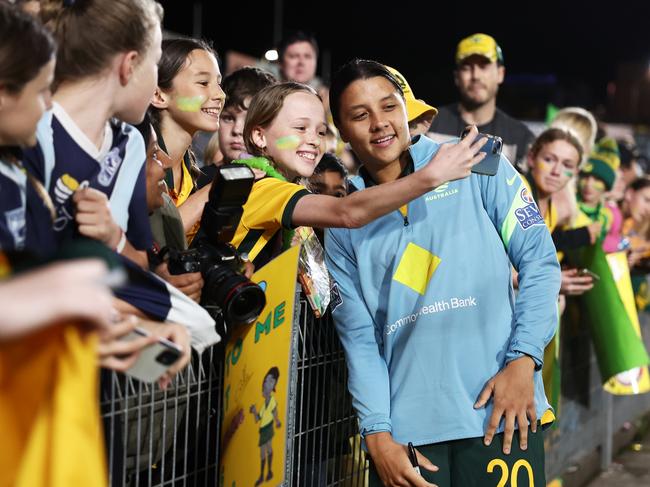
[(121, 244)]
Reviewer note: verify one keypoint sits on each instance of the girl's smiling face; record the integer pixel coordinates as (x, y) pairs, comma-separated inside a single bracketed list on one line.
[(295, 138), (196, 98)]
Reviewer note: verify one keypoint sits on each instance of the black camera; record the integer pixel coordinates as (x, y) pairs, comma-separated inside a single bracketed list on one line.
[(226, 291)]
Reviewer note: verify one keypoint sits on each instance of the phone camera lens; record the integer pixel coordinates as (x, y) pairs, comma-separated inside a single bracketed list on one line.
[(166, 357)]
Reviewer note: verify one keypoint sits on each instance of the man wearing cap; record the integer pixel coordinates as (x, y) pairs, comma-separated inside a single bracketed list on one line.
[(478, 74), (419, 113)]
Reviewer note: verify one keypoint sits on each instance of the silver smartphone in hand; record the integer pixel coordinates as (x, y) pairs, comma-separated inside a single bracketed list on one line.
[(155, 359), (492, 148)]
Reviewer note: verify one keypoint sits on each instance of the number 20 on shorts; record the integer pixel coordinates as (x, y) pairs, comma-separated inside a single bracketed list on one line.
[(505, 472)]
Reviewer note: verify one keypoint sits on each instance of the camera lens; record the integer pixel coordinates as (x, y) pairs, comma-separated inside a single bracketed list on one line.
[(246, 303), (167, 357), (240, 300)]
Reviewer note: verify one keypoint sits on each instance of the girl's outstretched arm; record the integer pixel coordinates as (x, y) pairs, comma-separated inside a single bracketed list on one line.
[(451, 162)]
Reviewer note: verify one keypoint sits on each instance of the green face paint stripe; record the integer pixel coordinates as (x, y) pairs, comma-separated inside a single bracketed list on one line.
[(190, 103), (288, 142)]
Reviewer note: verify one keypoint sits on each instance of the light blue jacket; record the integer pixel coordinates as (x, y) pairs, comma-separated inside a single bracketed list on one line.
[(426, 310)]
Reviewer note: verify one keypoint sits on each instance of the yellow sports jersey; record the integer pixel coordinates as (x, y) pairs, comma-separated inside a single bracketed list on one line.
[(187, 186), (551, 217), (269, 208), (266, 413)]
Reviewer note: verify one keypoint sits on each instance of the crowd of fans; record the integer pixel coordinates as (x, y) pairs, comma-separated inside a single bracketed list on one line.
[(97, 173)]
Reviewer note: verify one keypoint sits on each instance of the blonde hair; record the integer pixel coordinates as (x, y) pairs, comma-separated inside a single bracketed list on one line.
[(265, 106), (581, 123)]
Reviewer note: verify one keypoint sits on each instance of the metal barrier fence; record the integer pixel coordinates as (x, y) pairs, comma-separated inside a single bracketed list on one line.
[(170, 438)]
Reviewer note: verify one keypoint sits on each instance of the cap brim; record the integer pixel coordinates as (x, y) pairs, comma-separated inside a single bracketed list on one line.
[(417, 108), (476, 52)]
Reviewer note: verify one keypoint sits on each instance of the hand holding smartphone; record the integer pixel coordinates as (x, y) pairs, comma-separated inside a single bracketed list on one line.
[(155, 359), (587, 272), (492, 148)]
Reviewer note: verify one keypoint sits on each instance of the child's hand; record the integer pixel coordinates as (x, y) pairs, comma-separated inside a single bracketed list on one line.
[(278, 424), (94, 218)]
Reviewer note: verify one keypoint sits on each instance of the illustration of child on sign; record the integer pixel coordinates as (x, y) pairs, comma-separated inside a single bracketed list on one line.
[(266, 417)]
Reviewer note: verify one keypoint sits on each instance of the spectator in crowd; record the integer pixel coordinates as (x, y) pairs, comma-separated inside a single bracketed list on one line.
[(298, 55), (91, 164), (636, 226), (58, 321), (554, 160), (479, 72), (25, 89), (329, 177), (583, 124), (189, 98), (423, 366), (284, 130), (597, 177), (239, 87), (164, 217), (420, 114), (630, 167), (636, 235)]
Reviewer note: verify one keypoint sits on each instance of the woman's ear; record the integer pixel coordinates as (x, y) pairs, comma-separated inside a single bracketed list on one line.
[(126, 66), (259, 139), (160, 99)]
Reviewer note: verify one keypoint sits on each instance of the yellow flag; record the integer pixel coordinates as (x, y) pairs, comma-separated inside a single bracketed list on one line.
[(49, 410)]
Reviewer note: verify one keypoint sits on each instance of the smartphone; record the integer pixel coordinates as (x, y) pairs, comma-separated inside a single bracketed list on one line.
[(155, 359), (587, 272), (492, 148)]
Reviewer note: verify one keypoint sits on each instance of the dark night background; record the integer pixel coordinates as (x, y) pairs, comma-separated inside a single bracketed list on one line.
[(592, 54)]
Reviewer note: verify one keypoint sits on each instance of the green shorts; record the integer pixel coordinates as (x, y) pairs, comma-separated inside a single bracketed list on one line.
[(469, 463), (266, 434)]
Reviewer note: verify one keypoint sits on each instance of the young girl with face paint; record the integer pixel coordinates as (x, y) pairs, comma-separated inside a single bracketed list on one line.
[(553, 161), (189, 98), (285, 129)]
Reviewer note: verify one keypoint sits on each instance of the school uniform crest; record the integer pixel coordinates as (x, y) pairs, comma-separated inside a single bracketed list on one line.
[(16, 225), (110, 164)]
